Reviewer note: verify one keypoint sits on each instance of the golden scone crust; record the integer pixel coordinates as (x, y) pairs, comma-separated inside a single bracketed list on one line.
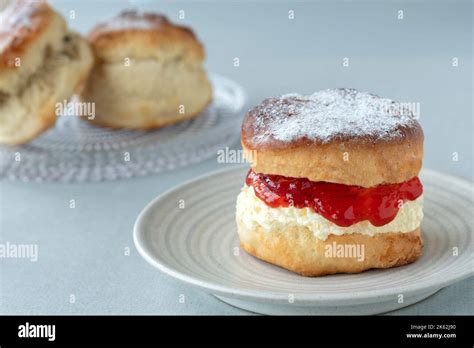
[(143, 36), (41, 64), (148, 73), (341, 136), (296, 249)]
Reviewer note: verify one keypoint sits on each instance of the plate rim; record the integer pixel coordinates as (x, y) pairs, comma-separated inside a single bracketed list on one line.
[(367, 296)]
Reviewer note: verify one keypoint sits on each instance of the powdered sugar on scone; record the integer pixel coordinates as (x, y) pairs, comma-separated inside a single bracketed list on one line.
[(133, 20), (15, 19), (327, 115)]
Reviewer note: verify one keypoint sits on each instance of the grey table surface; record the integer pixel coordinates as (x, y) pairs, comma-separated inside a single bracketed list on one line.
[(84, 266)]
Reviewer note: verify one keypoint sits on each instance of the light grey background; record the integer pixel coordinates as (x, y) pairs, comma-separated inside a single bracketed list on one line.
[(81, 250)]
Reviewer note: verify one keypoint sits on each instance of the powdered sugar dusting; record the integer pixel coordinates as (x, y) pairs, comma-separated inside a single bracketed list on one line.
[(133, 19), (326, 115), (15, 17)]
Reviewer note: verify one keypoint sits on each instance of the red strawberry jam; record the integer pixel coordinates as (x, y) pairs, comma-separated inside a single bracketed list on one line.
[(342, 204)]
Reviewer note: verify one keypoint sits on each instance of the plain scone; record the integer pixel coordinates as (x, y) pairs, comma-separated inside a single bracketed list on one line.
[(148, 72), (41, 64)]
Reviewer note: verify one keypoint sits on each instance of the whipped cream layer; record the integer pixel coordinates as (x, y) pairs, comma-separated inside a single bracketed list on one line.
[(252, 211)]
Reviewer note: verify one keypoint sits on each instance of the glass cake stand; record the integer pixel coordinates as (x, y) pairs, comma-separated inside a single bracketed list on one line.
[(76, 151)]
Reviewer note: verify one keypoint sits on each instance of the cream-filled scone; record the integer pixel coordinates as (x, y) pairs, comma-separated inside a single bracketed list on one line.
[(41, 64), (334, 183), (148, 73)]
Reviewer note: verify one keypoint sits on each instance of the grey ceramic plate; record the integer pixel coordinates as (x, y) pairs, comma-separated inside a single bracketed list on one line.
[(189, 233)]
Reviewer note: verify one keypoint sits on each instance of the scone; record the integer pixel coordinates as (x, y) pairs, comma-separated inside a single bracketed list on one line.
[(41, 64), (148, 72), (334, 183)]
